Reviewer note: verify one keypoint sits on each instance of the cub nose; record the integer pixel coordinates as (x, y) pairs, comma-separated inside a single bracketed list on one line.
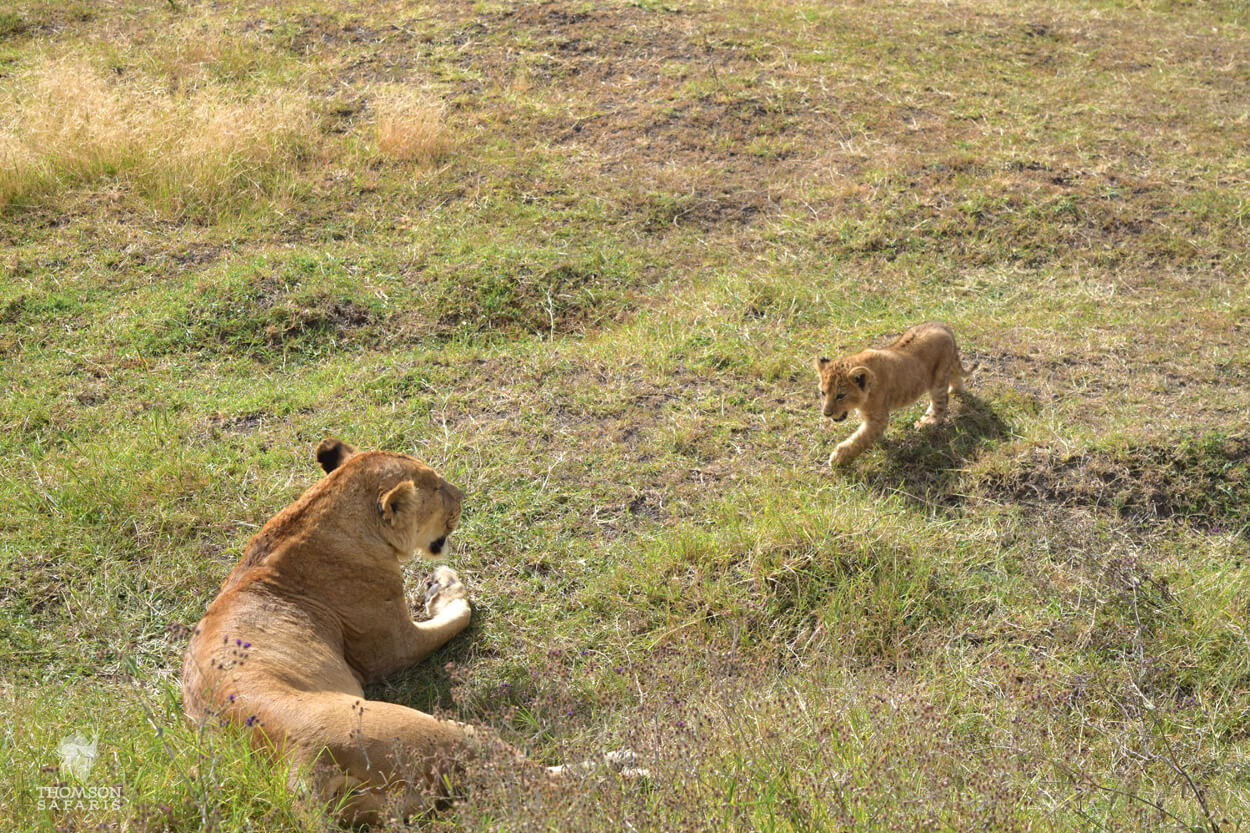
[(436, 546)]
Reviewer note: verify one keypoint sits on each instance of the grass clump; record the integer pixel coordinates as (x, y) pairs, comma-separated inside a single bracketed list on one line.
[(269, 310), (409, 127), (198, 154)]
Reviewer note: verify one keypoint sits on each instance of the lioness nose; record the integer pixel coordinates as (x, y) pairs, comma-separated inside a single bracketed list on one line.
[(436, 546)]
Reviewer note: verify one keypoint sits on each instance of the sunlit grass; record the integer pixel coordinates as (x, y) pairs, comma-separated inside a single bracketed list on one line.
[(579, 258), (68, 124), (409, 127)]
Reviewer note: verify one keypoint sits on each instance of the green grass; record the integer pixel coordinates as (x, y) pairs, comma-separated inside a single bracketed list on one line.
[(592, 302)]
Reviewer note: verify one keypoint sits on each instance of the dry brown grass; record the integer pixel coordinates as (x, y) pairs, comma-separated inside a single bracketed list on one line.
[(67, 123), (410, 127)]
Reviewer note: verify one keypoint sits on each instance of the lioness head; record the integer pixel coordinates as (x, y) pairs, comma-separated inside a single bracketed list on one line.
[(842, 387), (413, 507)]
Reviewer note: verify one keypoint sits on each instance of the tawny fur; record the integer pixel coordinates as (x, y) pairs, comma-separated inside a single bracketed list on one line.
[(315, 608), (925, 359)]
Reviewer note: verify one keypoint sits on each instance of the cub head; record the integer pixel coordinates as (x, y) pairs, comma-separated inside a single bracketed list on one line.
[(842, 387), (412, 507)]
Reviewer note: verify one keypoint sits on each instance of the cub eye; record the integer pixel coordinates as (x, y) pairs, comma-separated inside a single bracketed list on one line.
[(840, 396)]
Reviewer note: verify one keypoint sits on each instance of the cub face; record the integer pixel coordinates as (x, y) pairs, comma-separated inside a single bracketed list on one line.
[(842, 387)]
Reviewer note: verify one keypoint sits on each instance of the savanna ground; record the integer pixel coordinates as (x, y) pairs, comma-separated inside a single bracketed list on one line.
[(579, 257)]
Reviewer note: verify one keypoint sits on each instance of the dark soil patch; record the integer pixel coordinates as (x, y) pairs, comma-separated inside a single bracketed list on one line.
[(238, 423), (266, 320), (198, 255), (701, 208), (1204, 480)]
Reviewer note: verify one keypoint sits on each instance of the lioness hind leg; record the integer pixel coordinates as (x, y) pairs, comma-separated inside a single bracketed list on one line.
[(623, 762)]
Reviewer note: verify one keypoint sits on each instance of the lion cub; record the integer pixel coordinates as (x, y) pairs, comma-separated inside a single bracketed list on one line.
[(923, 360)]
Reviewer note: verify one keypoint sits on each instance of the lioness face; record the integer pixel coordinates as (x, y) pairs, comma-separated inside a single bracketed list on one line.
[(421, 511), (842, 388), (416, 508), (443, 517)]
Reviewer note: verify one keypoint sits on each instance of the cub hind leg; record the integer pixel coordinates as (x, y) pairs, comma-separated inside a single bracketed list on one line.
[(957, 375), (948, 380), (939, 399)]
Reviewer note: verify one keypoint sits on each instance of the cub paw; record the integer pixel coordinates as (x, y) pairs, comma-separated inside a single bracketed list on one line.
[(444, 588), (927, 420), (842, 455)]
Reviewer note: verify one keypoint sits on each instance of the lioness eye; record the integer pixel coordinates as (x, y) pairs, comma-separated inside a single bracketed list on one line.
[(840, 396)]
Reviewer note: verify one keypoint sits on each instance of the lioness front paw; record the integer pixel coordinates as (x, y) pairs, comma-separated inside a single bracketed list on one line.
[(927, 420), (445, 587), (623, 762)]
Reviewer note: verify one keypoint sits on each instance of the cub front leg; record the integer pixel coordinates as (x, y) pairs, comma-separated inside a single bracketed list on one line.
[(869, 431)]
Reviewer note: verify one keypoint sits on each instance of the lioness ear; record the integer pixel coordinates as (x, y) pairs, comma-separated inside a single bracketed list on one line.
[(397, 501), (861, 376), (331, 453), (820, 363)]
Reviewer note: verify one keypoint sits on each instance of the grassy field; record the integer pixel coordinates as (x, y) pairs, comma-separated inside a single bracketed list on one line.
[(579, 256)]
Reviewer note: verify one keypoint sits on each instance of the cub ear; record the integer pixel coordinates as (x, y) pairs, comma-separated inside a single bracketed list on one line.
[(331, 453), (862, 377), (398, 501), (820, 363)]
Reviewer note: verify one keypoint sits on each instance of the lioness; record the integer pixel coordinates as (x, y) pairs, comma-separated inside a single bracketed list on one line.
[(922, 360), (315, 608)]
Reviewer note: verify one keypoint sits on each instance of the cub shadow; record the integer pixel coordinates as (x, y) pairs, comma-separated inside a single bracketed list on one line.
[(923, 464)]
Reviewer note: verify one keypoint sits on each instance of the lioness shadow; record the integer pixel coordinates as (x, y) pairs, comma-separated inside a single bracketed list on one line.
[(923, 464), (428, 685)]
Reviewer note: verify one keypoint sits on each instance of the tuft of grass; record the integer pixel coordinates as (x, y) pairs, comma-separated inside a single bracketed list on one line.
[(409, 127), (68, 124), (11, 23)]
